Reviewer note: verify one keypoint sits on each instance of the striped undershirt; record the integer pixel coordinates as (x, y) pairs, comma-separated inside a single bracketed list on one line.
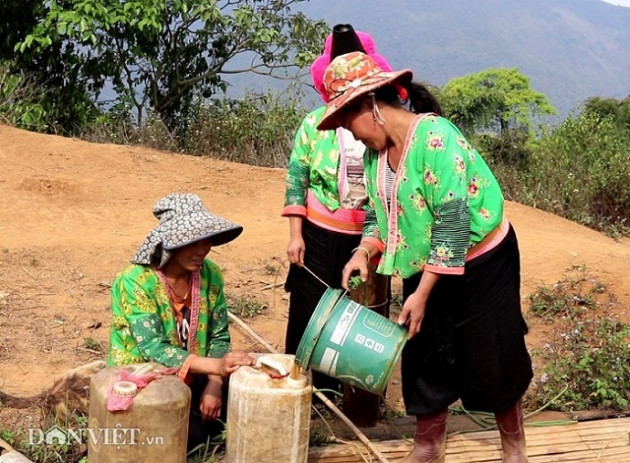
[(389, 184)]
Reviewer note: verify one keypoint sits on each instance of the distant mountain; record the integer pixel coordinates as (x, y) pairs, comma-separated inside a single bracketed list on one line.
[(571, 49)]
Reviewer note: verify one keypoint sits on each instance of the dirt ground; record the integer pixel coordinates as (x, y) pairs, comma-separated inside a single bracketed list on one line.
[(73, 214)]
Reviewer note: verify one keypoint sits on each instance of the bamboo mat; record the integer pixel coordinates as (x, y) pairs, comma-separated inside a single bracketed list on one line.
[(601, 441)]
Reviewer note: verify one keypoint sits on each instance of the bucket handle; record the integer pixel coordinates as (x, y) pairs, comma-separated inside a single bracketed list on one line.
[(322, 281), (376, 306)]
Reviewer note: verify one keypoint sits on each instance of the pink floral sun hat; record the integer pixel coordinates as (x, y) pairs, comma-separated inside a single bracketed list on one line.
[(352, 75)]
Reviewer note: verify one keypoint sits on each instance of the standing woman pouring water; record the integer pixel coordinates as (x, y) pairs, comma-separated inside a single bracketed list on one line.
[(436, 217)]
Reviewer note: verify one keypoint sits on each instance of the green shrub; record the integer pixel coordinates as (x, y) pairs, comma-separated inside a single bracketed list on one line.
[(117, 126), (93, 344), (20, 104), (256, 130), (580, 171), (508, 149), (588, 358), (508, 155), (7, 436)]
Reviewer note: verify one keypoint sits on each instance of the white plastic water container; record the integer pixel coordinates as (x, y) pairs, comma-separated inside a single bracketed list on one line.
[(268, 418), (153, 429)]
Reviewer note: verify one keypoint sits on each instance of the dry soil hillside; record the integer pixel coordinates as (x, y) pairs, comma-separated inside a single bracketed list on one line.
[(73, 213)]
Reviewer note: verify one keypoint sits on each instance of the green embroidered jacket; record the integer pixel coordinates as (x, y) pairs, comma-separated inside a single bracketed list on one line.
[(144, 327), (446, 200)]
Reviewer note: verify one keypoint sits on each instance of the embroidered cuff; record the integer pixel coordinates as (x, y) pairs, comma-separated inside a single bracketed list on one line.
[(294, 210), (444, 270), (183, 371)]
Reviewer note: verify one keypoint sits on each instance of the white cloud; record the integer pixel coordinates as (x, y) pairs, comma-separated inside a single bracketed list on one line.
[(625, 3)]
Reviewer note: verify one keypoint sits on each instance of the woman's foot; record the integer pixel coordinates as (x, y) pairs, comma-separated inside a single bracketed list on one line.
[(429, 444), (512, 432)]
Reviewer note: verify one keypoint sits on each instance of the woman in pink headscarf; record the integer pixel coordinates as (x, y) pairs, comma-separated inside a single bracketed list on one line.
[(325, 199)]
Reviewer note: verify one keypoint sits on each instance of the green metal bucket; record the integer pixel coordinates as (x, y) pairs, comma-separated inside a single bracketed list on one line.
[(350, 342)]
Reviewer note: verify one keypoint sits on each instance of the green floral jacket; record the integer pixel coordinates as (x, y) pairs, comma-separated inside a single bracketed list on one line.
[(143, 324), (446, 200), (314, 165)]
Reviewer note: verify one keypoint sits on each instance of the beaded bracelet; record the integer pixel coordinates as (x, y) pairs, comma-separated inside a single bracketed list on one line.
[(367, 253)]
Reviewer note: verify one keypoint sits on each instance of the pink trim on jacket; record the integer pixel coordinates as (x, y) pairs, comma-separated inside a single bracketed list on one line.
[(294, 210), (443, 270), (183, 371), (490, 241), (349, 221)]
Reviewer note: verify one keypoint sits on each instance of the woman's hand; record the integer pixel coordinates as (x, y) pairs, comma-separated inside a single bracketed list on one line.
[(211, 399), (415, 306), (413, 313), (220, 366), (232, 360), (358, 262), (295, 250)]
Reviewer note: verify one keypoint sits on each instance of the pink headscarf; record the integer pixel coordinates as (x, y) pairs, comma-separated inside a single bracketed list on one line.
[(318, 68)]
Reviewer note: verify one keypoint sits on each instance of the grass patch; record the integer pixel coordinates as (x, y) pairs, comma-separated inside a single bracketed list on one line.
[(93, 344), (319, 430), (571, 297), (212, 451), (586, 356), (7, 436), (245, 306), (27, 442), (31, 443)]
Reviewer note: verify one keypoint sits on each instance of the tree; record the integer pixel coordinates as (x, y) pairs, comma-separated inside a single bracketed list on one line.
[(619, 110), (50, 74), (498, 99), (162, 55)]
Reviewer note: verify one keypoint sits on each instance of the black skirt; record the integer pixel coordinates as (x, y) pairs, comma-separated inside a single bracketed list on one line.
[(471, 344), (327, 252)]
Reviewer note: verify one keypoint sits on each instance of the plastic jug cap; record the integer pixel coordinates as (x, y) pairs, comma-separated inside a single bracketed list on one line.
[(298, 383), (125, 388), (273, 368)]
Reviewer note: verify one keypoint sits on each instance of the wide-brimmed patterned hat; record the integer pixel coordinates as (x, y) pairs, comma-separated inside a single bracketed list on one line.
[(350, 76), (343, 39), (183, 220)]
